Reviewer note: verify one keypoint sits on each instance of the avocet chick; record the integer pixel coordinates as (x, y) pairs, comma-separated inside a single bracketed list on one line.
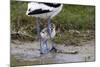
[(45, 36)]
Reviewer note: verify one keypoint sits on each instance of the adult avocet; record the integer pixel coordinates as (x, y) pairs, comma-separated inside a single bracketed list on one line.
[(43, 11)]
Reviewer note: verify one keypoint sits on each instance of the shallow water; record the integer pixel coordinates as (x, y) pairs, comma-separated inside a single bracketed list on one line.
[(30, 52)]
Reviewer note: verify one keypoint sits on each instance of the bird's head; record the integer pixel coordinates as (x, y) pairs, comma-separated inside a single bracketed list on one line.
[(31, 7), (53, 26)]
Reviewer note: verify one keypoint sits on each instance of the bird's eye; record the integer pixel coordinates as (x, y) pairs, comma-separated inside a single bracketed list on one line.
[(51, 29)]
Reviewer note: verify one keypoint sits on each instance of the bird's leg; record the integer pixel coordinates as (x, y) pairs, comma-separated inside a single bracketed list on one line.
[(44, 46), (52, 43), (49, 30), (38, 32), (53, 47), (49, 26), (46, 43), (38, 27)]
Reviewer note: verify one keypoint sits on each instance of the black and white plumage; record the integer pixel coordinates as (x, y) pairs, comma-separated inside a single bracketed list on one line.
[(43, 10), (47, 11), (45, 34)]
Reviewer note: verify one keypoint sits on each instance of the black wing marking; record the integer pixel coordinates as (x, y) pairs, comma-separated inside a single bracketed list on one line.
[(38, 11)]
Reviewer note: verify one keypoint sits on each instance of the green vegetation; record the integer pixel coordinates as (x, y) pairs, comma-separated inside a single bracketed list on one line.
[(72, 19)]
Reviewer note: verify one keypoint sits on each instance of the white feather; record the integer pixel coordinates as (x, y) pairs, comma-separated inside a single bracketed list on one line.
[(45, 35), (34, 6)]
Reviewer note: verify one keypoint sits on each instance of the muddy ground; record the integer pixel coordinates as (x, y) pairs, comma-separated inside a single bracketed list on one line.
[(27, 53)]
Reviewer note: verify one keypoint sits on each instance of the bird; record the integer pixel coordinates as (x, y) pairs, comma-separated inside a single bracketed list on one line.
[(45, 36), (43, 10), (45, 33)]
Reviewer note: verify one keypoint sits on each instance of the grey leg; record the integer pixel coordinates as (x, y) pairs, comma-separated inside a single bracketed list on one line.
[(49, 26), (49, 30), (38, 27), (46, 43), (38, 32), (44, 46)]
